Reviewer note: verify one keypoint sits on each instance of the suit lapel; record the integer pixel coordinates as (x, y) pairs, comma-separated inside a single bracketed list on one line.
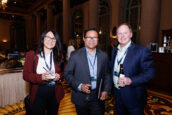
[(114, 57), (99, 58), (85, 61), (129, 55)]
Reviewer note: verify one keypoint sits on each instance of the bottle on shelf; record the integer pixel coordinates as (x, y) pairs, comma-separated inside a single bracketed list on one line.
[(165, 44)]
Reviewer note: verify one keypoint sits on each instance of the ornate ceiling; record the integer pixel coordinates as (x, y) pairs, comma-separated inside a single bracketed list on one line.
[(26, 7)]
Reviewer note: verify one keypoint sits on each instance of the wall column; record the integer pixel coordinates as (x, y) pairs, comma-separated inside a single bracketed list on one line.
[(29, 34), (85, 16), (38, 29), (50, 17), (93, 13), (150, 21), (66, 21)]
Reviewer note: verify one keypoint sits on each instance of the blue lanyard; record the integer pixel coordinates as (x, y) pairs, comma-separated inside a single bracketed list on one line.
[(92, 64), (49, 68), (123, 55), (119, 61)]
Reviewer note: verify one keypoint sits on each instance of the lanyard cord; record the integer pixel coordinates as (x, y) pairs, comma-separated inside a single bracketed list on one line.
[(92, 64), (49, 68), (119, 61), (123, 55)]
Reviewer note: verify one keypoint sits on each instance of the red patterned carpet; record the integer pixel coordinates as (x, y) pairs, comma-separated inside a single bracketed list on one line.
[(158, 104)]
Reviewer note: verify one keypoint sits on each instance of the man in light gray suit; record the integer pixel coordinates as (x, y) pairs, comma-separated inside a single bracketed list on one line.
[(88, 73)]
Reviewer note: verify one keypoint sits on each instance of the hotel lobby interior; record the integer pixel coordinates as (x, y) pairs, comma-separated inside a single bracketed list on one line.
[(23, 21)]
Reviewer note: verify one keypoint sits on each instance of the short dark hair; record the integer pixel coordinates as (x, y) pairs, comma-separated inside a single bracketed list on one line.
[(90, 29), (126, 24)]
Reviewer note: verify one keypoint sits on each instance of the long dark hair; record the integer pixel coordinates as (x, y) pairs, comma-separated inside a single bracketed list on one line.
[(57, 50)]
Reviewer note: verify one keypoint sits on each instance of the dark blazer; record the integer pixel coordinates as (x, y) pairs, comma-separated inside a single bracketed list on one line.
[(77, 72), (36, 79), (139, 66)]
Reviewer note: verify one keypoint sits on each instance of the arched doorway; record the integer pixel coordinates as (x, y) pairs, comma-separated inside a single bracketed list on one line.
[(103, 25), (77, 27), (132, 14)]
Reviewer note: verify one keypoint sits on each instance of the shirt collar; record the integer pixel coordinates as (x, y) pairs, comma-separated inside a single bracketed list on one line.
[(88, 53), (125, 47)]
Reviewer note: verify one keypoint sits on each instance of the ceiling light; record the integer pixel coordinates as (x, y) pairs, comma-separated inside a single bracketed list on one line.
[(3, 4)]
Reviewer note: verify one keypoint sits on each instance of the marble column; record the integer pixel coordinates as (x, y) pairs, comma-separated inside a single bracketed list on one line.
[(93, 13), (85, 16), (29, 34), (55, 22), (66, 21), (150, 21), (50, 17), (38, 28)]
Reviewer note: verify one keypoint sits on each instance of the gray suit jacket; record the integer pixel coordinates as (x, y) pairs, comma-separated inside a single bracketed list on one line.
[(77, 72)]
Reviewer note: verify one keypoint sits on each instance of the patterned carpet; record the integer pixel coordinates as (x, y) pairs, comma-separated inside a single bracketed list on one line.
[(158, 104)]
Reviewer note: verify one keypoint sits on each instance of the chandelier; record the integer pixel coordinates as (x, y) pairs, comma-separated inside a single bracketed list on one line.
[(3, 4)]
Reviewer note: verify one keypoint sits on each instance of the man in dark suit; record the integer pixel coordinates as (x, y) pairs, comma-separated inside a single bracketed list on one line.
[(131, 91), (87, 73)]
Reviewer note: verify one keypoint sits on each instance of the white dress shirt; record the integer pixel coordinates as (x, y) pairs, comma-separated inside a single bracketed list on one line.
[(120, 57)]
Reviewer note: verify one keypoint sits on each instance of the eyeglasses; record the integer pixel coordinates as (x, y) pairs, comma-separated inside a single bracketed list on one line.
[(91, 38), (49, 38)]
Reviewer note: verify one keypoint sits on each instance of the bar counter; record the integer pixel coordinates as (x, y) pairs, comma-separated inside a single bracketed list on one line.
[(13, 88), (163, 79)]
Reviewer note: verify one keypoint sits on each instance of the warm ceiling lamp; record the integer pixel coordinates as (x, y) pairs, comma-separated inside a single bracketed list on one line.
[(3, 4)]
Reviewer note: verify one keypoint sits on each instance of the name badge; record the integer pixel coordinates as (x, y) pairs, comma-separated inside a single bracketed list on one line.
[(93, 82), (93, 78), (116, 73)]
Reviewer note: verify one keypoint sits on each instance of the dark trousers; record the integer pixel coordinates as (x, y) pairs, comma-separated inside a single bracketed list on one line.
[(45, 101), (122, 109), (92, 106)]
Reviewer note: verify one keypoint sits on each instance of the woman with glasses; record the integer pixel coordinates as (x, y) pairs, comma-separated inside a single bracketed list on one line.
[(43, 70)]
